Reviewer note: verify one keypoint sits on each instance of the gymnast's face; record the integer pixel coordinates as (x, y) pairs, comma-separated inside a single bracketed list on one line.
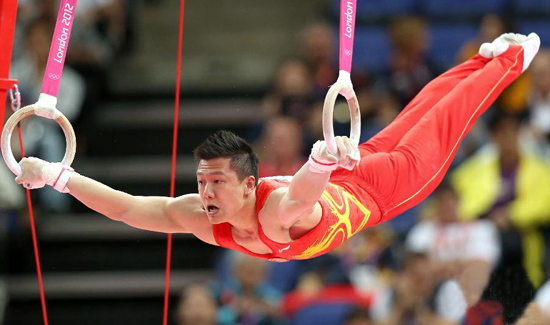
[(223, 194)]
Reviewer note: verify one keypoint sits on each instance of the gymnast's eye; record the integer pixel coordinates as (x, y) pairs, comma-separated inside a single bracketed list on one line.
[(217, 181), (200, 182)]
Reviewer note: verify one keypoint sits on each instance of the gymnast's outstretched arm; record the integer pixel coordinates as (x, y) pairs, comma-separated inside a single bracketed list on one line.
[(149, 213), (161, 214)]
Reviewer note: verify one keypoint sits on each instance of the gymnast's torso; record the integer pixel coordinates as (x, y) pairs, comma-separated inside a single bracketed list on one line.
[(344, 209)]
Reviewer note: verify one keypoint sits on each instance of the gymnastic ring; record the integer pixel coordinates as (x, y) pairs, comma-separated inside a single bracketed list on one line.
[(17, 117), (328, 109)]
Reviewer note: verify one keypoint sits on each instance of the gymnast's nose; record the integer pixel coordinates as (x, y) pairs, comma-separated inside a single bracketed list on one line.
[(208, 192)]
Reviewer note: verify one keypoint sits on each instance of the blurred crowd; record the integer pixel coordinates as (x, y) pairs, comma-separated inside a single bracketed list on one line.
[(477, 250)]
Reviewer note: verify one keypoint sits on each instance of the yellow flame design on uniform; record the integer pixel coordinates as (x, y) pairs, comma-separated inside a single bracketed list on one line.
[(340, 207)]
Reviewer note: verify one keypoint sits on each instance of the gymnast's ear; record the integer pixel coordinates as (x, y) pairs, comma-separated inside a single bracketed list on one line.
[(250, 183)]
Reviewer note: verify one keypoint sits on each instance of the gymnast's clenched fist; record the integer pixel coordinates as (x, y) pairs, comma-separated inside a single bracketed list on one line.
[(36, 173), (322, 161)]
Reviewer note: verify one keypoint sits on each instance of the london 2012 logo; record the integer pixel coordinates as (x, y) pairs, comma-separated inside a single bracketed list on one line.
[(53, 76), (349, 19)]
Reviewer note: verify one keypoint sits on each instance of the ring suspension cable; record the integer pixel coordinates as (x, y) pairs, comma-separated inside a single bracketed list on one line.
[(343, 85), (174, 154), (15, 99), (47, 99), (8, 12), (34, 240)]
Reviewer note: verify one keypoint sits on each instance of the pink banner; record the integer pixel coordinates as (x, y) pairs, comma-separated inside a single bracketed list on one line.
[(58, 49), (347, 31)]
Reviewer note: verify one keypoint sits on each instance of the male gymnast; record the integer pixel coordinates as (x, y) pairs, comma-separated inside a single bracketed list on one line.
[(330, 198)]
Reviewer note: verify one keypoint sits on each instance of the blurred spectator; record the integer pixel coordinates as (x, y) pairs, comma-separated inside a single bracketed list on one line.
[(491, 27), (409, 69), (385, 108), (413, 292), (318, 51), (28, 9), (314, 303), (509, 186), (42, 137), (98, 28), (11, 194), (358, 316), (467, 251), (246, 298), (196, 306), (319, 46), (106, 17), (540, 97), (99, 25), (371, 257), (29, 70), (504, 300), (281, 147), (98, 34), (292, 92), (485, 312), (514, 97), (12, 202)]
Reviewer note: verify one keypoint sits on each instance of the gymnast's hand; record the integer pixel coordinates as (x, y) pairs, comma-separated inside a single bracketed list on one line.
[(36, 173), (348, 152), (322, 161)]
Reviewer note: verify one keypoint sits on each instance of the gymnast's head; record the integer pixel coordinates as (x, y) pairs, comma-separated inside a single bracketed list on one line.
[(227, 175)]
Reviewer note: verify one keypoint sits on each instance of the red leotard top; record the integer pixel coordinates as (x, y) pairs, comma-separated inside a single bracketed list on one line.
[(346, 209)]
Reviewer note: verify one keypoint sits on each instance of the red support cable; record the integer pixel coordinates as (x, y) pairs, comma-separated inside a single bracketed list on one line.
[(174, 154), (8, 17), (34, 241)]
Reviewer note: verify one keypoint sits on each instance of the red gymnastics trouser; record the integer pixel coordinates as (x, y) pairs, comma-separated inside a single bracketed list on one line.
[(407, 160)]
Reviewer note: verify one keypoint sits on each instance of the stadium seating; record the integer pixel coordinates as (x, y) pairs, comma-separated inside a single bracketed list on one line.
[(326, 314), (446, 41), (531, 7), (463, 9), (541, 27), (375, 10), (371, 50)]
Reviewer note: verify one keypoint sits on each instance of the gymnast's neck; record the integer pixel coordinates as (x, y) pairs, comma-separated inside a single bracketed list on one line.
[(245, 222)]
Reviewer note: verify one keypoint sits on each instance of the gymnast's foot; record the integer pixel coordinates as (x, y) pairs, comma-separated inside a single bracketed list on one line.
[(531, 45)]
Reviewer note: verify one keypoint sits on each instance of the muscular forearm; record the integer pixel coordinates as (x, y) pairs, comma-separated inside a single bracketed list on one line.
[(148, 213), (307, 187), (303, 193), (99, 197)]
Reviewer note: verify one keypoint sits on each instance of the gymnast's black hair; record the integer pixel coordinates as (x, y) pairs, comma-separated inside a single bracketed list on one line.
[(225, 144)]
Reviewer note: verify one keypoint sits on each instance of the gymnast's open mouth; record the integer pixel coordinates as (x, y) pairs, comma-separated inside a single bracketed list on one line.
[(212, 209)]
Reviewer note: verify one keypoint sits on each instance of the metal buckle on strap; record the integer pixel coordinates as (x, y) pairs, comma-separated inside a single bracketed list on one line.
[(15, 97)]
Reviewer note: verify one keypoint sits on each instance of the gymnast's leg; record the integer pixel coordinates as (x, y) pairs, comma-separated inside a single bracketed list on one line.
[(432, 93), (412, 170)]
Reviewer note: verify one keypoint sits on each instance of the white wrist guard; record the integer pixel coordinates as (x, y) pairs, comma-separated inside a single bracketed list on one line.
[(320, 160), (57, 176)]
